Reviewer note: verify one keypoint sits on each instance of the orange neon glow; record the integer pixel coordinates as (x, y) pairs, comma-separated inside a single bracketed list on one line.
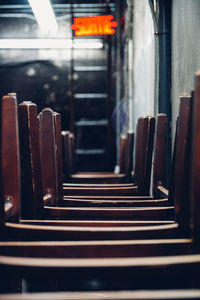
[(97, 25)]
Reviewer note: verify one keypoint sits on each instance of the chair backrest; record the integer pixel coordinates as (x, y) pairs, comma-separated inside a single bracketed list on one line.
[(159, 167), (65, 147), (183, 162), (31, 180), (122, 153), (59, 158), (143, 153), (48, 154), (149, 154), (2, 212), (138, 143), (71, 144), (10, 158), (195, 168), (172, 171), (128, 168)]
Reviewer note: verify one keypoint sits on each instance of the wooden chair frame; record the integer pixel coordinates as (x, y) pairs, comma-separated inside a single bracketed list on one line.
[(163, 272), (156, 213)]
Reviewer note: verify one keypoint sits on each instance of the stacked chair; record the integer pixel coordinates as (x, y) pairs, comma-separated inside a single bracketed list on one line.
[(98, 240), (116, 183), (140, 183), (123, 169), (49, 171)]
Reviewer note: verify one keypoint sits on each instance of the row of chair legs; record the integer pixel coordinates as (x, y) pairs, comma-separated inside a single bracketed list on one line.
[(93, 247)]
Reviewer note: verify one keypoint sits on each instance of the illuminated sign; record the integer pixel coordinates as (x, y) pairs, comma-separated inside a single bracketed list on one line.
[(97, 25)]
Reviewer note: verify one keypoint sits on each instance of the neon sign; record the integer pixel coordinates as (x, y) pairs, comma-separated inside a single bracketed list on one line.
[(97, 25)]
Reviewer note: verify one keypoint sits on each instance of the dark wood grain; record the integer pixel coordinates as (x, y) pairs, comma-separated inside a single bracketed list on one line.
[(98, 249), (48, 154), (148, 165), (114, 203), (83, 213), (10, 153), (182, 162), (65, 151), (125, 166), (34, 232), (175, 272), (159, 168), (59, 159), (31, 179), (144, 148), (122, 153), (195, 170), (104, 191), (96, 223)]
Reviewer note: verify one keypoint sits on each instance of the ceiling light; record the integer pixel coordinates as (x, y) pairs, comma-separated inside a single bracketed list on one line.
[(87, 44), (35, 43), (50, 44), (44, 15)]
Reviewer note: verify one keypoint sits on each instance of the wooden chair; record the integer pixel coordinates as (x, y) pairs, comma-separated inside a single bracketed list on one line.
[(98, 233), (53, 266), (10, 103), (159, 165), (126, 145), (159, 182), (31, 187), (53, 273), (49, 266), (59, 155), (126, 149), (32, 158), (47, 152), (66, 156), (145, 135), (97, 211), (48, 144)]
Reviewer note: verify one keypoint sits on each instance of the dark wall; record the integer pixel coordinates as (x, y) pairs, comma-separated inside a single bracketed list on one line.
[(43, 76), (38, 75)]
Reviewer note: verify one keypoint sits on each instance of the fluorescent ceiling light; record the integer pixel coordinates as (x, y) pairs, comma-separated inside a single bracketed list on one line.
[(35, 43), (44, 15), (87, 44), (49, 44)]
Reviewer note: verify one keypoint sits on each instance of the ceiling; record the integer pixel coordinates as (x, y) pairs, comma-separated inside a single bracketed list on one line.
[(62, 8)]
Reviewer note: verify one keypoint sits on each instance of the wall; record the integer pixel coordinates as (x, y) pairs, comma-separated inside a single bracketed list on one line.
[(43, 76), (143, 60), (185, 55), (185, 49), (37, 75)]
